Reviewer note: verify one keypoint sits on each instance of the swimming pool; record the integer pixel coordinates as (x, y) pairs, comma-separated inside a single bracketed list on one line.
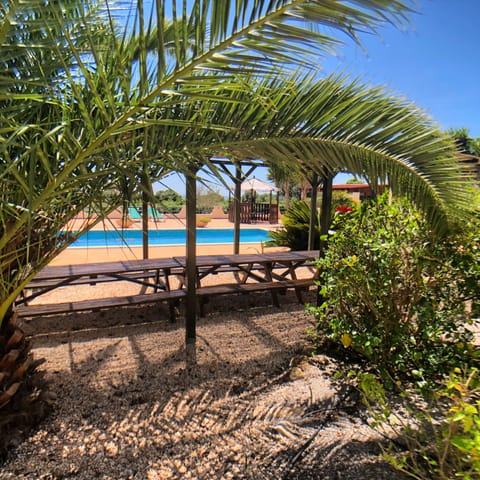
[(133, 238)]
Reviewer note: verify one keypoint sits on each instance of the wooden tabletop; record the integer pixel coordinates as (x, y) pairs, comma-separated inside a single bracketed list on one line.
[(66, 271), (106, 268), (246, 258)]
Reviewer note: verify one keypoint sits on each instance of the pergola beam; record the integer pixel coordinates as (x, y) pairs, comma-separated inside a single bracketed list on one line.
[(226, 162)]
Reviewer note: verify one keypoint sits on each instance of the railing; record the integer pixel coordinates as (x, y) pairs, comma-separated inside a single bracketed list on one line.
[(255, 212)]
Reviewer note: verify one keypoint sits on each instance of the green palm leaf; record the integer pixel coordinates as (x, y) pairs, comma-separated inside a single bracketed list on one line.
[(336, 125)]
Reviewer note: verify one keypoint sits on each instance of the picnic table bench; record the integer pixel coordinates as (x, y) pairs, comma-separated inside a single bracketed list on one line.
[(252, 273)]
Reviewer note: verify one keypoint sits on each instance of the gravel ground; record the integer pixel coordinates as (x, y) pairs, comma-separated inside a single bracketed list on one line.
[(253, 407)]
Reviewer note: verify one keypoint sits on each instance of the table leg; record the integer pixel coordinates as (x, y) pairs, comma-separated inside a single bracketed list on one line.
[(157, 280), (201, 301), (293, 276), (171, 302), (242, 276), (269, 278)]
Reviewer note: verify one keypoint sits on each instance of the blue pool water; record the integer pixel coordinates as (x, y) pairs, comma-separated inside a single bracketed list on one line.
[(133, 238)]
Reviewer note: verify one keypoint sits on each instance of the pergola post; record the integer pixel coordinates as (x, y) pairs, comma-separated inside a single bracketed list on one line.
[(237, 196), (191, 268), (325, 219), (236, 208), (145, 241), (314, 182), (326, 213)]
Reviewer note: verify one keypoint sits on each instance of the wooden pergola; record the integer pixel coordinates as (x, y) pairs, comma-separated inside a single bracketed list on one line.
[(242, 169)]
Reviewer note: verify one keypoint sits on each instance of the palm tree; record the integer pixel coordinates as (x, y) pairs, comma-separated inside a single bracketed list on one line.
[(282, 177), (465, 143), (72, 106)]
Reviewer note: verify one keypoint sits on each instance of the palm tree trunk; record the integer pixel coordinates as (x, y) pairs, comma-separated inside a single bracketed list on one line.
[(287, 192), (23, 402)]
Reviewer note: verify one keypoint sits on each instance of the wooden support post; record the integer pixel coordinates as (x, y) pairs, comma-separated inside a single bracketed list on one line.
[(145, 225), (236, 208), (277, 216), (326, 214), (313, 212), (191, 268), (237, 197), (325, 219)]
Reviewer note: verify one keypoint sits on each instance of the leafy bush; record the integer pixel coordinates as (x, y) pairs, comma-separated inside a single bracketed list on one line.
[(342, 198), (296, 221), (447, 445), (396, 295)]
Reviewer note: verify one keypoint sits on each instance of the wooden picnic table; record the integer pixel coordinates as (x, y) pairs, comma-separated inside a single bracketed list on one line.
[(251, 272), (256, 267), (152, 274)]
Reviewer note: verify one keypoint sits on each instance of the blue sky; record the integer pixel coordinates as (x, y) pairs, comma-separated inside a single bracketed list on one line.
[(435, 64)]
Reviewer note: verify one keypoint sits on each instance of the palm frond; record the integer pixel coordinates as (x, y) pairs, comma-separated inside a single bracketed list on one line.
[(334, 125)]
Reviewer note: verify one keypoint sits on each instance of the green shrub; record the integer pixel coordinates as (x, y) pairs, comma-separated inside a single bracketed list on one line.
[(296, 222), (396, 295), (447, 444)]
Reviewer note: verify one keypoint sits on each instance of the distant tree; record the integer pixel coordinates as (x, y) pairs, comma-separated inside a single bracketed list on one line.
[(464, 141), (290, 181), (353, 180), (169, 195), (281, 177), (168, 201), (207, 199)]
